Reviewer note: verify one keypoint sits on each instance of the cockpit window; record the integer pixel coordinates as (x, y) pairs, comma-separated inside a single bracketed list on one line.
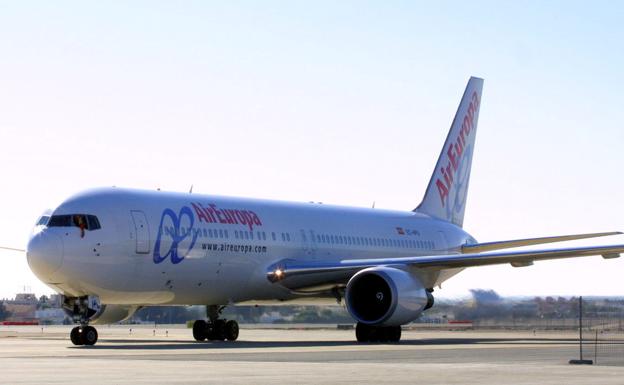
[(83, 221), (43, 220), (93, 222)]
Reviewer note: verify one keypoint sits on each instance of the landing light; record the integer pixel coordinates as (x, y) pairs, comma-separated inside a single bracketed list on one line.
[(279, 273)]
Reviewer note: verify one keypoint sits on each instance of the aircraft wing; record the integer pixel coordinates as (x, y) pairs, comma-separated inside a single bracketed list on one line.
[(295, 274), (12, 249), (491, 246)]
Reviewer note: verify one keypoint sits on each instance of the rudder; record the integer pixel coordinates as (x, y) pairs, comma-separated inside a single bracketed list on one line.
[(446, 193)]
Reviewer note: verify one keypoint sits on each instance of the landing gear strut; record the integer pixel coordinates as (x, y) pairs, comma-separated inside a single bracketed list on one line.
[(215, 329), (368, 333)]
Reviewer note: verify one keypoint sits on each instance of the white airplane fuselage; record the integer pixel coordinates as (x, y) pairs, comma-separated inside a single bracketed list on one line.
[(110, 251), (161, 248)]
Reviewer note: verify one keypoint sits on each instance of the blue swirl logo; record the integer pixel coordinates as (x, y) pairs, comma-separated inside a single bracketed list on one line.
[(177, 235)]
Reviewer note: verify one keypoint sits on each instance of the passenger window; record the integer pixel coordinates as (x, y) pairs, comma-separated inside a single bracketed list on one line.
[(273, 236)]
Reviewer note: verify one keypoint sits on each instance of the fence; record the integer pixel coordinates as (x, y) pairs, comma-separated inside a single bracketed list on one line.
[(602, 343), (601, 332)]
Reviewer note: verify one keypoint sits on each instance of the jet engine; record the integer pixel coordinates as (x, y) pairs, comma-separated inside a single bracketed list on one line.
[(386, 296)]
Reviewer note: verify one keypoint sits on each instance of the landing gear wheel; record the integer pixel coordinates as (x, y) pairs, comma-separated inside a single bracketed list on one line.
[(394, 333), (367, 333), (217, 330), (200, 330), (74, 336), (363, 332), (231, 330), (382, 334), (89, 335)]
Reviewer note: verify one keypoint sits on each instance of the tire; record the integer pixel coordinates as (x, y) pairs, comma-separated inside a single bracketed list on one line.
[(89, 335), (217, 331), (382, 334), (200, 330), (231, 330), (394, 334), (74, 336), (363, 332)]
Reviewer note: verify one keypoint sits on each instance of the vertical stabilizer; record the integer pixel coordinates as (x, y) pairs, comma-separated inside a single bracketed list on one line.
[(446, 194)]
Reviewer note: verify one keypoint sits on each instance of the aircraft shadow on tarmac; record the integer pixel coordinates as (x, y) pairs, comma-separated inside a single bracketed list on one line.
[(167, 344)]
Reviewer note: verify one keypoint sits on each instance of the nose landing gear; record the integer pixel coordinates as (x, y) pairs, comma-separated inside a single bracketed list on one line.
[(83, 335), (215, 329), (81, 310)]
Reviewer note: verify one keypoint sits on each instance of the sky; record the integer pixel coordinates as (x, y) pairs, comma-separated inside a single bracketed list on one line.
[(341, 102)]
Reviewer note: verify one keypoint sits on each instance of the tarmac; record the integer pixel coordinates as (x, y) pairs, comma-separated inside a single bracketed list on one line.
[(131, 354)]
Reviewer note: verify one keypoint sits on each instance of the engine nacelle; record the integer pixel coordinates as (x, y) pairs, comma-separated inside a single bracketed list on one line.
[(386, 296)]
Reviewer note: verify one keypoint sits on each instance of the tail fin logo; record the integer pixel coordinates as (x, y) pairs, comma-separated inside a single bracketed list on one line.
[(454, 158)]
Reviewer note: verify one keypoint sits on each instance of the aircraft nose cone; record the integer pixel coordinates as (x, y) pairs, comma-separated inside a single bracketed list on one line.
[(45, 254)]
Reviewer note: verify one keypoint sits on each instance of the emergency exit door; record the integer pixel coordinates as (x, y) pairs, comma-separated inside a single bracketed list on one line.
[(141, 231)]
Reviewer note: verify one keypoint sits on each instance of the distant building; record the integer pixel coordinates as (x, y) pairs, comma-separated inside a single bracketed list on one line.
[(50, 316), (26, 307)]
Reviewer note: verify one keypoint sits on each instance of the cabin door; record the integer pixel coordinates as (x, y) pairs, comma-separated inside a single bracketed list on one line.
[(141, 232)]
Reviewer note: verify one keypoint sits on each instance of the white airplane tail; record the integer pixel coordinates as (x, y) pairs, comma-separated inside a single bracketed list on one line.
[(446, 194)]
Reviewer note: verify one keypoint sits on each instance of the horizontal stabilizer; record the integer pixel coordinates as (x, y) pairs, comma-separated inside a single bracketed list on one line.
[(491, 246)]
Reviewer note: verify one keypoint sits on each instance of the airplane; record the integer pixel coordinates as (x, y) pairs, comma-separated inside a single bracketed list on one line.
[(111, 251)]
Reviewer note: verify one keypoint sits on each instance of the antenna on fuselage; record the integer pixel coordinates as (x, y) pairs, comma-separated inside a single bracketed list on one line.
[(373, 204), (191, 190)]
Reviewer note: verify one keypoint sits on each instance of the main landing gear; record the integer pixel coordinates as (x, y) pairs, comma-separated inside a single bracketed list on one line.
[(215, 329), (368, 333)]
